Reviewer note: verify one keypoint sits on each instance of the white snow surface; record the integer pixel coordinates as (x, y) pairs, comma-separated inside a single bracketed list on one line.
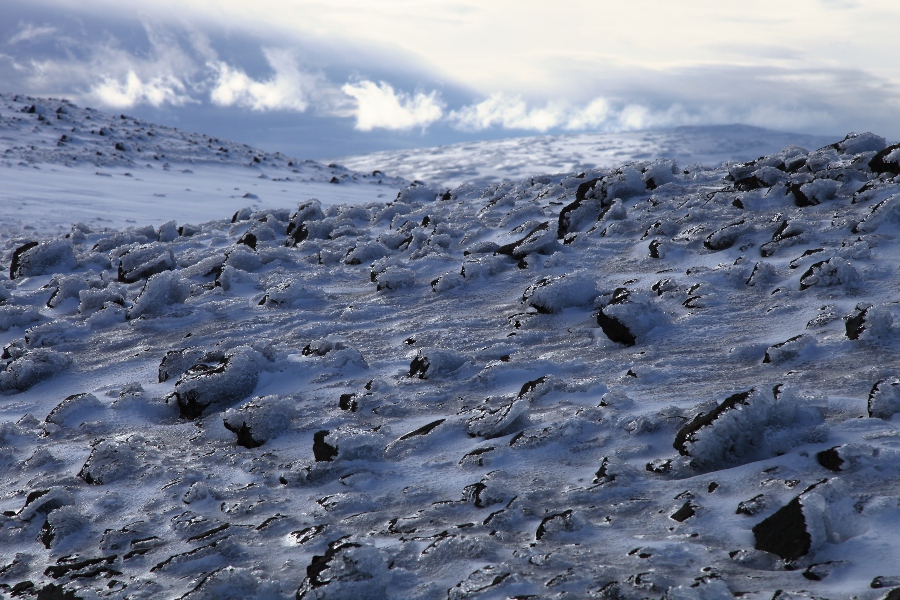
[(64, 164), (648, 381), (486, 162)]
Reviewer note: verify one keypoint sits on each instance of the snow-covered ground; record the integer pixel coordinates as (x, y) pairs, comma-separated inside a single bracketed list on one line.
[(64, 164), (513, 159), (653, 380)]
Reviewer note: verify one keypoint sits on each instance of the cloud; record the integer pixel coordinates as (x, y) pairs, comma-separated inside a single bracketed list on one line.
[(378, 106), (508, 112), (288, 89), (157, 91), (29, 32)]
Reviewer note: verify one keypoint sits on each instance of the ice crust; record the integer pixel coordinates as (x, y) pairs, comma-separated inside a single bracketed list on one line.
[(467, 395)]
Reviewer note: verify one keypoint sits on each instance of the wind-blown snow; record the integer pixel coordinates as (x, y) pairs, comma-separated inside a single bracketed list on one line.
[(494, 161), (646, 381)]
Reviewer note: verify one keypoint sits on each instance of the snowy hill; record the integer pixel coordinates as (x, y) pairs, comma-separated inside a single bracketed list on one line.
[(63, 164), (639, 382), (489, 162)]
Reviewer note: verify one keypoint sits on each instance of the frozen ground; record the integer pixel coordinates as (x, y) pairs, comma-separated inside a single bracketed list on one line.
[(63, 164), (645, 381), (489, 162)]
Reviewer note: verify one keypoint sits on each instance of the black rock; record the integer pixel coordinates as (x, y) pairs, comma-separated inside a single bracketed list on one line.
[(14, 266), (146, 260), (216, 380), (830, 459), (248, 239), (562, 519), (724, 237), (784, 533), (884, 398), (569, 215), (418, 367), (322, 450), (614, 329), (654, 249), (528, 244), (348, 402), (306, 211), (769, 351), (244, 436), (752, 506), (603, 475), (687, 510), (800, 198), (320, 564), (424, 430), (530, 386), (879, 164), (856, 322), (51, 591), (689, 432)]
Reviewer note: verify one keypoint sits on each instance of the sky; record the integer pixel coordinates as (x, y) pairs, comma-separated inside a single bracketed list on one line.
[(319, 79)]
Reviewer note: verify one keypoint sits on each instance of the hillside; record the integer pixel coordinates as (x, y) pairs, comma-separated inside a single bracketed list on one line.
[(648, 381)]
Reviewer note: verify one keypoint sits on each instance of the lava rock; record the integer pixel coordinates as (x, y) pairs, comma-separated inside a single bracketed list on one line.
[(218, 381), (31, 368), (322, 450), (539, 240), (42, 258), (784, 533), (109, 461), (884, 398), (259, 420), (554, 294), (176, 362), (429, 363), (561, 521), (491, 422), (74, 410), (725, 237), (752, 506), (886, 161), (831, 458), (140, 262), (832, 272)]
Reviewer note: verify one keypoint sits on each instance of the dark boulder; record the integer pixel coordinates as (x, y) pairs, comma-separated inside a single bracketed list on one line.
[(725, 237), (42, 258), (308, 211), (588, 207), (561, 521), (689, 433), (539, 240), (886, 161), (884, 399), (784, 533), (322, 450), (831, 459), (141, 262), (219, 381)]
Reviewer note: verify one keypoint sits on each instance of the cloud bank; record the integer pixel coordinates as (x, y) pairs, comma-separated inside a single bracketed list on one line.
[(165, 66)]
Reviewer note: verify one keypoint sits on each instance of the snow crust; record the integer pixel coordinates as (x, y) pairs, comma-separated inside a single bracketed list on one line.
[(655, 380)]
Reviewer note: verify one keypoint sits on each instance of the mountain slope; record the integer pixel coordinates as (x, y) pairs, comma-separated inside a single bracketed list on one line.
[(645, 381)]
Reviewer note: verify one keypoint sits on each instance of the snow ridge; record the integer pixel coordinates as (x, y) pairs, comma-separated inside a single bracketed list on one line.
[(646, 381)]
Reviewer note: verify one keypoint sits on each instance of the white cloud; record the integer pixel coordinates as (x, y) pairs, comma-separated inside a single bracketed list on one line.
[(378, 106), (508, 112), (31, 32), (157, 91), (288, 89), (591, 116)]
